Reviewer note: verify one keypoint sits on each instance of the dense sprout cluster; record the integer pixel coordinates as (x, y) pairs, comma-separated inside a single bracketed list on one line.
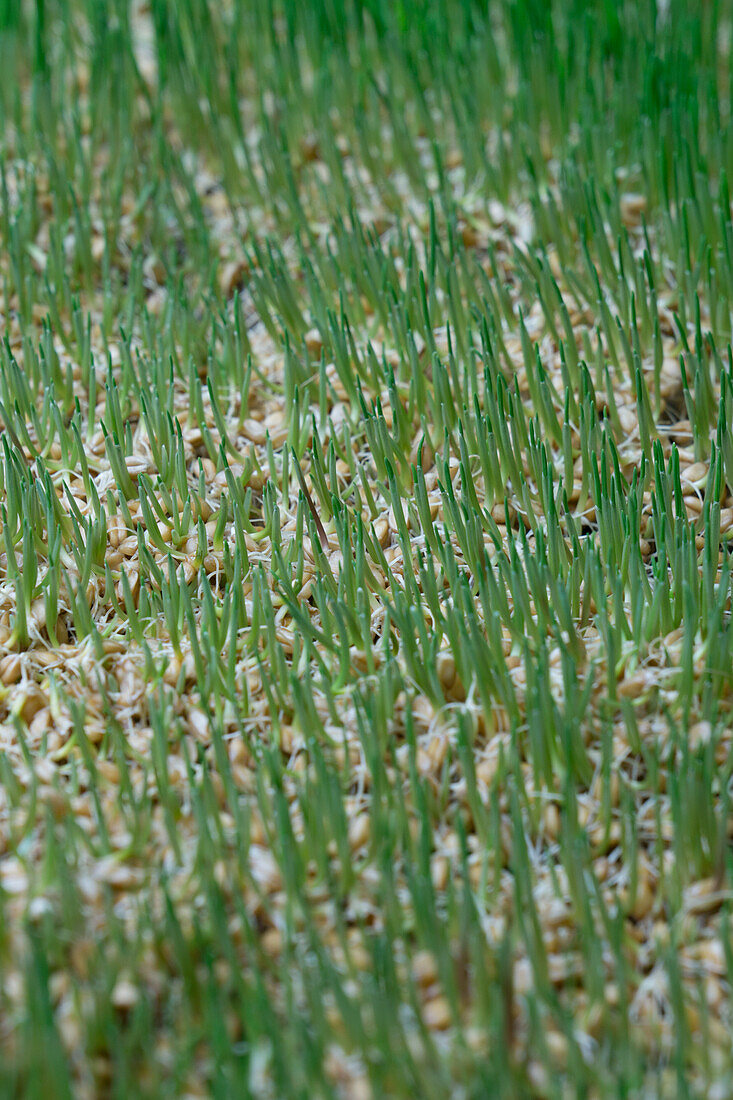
[(366, 494)]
